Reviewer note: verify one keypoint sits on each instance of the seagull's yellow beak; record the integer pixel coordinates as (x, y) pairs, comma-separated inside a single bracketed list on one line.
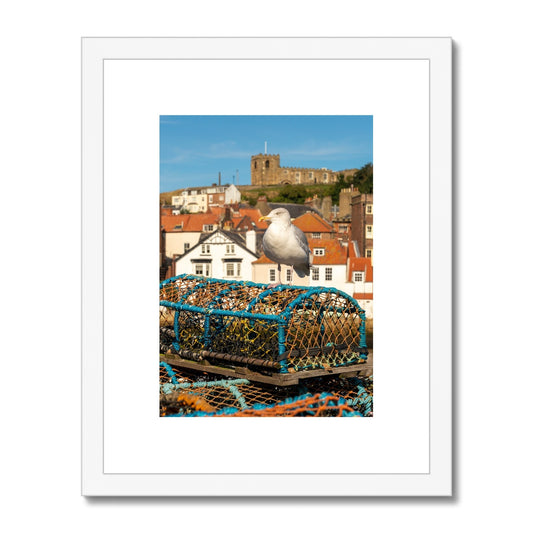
[(264, 218)]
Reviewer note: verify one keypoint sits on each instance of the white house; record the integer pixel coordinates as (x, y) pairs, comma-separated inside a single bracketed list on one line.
[(328, 267), (199, 200), (232, 195), (329, 259), (182, 232), (221, 254), (360, 282), (334, 264), (193, 200)]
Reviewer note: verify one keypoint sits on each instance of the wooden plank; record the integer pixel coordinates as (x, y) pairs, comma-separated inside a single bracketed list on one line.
[(205, 366), (281, 380)]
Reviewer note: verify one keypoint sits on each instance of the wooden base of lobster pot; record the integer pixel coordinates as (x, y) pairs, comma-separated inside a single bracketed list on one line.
[(277, 379)]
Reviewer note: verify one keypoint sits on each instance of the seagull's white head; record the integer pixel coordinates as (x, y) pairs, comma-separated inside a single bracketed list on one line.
[(279, 215)]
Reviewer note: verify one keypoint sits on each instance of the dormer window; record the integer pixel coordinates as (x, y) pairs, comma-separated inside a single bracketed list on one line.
[(208, 227), (357, 276), (319, 251)]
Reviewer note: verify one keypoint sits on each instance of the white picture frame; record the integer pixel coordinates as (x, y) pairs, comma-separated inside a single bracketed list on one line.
[(405, 83)]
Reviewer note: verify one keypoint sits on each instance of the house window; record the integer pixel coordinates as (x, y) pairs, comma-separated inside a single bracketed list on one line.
[(272, 274), (210, 198), (357, 276), (233, 270), (206, 249), (369, 232), (369, 210), (289, 275), (314, 273), (318, 251), (186, 246), (315, 235), (202, 269), (208, 227), (329, 273), (325, 176), (368, 252), (230, 249)]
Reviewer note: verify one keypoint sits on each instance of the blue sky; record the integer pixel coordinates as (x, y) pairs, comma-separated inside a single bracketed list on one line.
[(194, 149)]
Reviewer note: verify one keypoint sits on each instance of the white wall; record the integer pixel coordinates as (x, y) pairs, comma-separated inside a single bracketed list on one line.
[(261, 274), (232, 195), (338, 276), (175, 241), (217, 252)]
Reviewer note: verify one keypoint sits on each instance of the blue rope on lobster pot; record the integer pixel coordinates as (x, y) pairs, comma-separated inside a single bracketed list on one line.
[(282, 329)]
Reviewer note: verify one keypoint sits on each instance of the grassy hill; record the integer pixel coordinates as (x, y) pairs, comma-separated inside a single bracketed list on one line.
[(363, 180)]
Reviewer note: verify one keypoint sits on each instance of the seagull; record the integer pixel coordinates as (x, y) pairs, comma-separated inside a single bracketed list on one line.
[(286, 244)]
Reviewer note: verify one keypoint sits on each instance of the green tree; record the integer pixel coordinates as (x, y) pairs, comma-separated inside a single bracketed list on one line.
[(364, 179), (293, 194)]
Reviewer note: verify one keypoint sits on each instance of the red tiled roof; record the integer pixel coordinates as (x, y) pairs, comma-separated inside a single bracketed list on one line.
[(243, 223), (217, 210), (263, 260), (363, 295), (334, 253), (361, 264), (254, 215), (312, 223), (193, 222), (238, 215)]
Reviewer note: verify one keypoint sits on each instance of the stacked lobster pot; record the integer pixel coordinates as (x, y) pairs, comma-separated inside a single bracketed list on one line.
[(279, 335)]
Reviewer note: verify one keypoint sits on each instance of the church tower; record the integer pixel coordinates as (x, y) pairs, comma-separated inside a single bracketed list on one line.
[(264, 169)]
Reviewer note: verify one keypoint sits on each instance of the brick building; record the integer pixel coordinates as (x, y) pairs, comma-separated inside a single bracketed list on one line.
[(363, 223)]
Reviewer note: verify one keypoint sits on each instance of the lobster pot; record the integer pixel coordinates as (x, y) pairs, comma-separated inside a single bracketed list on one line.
[(282, 329)]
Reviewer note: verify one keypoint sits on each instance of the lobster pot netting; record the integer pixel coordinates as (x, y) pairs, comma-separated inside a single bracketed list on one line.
[(181, 396), (285, 328)]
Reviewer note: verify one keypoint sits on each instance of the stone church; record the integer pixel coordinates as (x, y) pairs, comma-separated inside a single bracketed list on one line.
[(266, 170)]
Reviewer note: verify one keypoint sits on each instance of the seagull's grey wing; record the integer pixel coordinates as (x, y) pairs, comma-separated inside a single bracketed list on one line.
[(301, 239), (267, 247), (302, 269)]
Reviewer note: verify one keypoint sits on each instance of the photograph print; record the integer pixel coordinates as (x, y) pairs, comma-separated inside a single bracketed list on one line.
[(266, 266)]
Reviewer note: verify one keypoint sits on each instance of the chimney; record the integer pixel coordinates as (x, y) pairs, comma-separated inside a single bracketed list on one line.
[(262, 205), (251, 240), (227, 213)]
